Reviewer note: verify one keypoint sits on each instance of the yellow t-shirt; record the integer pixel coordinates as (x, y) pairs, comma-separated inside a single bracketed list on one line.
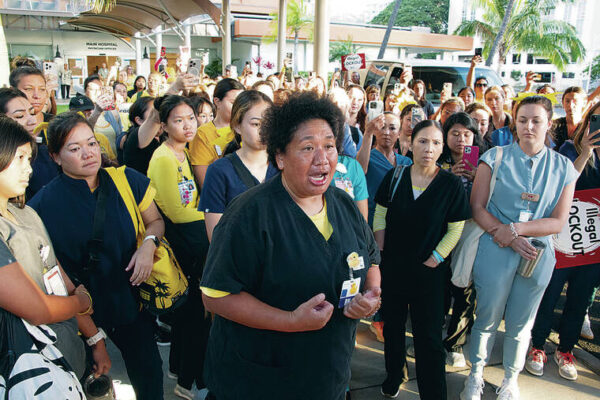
[(166, 173), (102, 126), (105, 146), (136, 96), (209, 144), (321, 222)]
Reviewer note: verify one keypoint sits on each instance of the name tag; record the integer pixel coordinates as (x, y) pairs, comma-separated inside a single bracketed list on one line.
[(530, 197), (525, 216), (54, 282), (186, 191), (349, 290)]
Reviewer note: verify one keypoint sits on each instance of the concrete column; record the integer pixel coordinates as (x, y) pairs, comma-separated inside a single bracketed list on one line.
[(138, 54), (321, 34), (187, 39), (226, 25), (158, 41), (281, 33)]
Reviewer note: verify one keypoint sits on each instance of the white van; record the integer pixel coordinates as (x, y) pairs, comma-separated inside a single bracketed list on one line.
[(434, 73)]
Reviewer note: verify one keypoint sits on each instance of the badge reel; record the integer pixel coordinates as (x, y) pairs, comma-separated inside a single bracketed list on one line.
[(351, 286), (527, 215)]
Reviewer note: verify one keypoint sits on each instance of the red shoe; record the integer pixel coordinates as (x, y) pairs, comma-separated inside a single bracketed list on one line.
[(377, 329)]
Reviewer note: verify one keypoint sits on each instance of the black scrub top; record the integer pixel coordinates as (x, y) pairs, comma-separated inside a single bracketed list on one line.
[(414, 228), (44, 168), (67, 208), (267, 246)]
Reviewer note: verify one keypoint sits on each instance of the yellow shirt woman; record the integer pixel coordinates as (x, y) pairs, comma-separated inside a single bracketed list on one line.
[(176, 192)]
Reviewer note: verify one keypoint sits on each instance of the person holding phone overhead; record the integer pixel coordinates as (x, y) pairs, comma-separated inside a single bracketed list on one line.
[(584, 151), (433, 203), (213, 137), (531, 198)]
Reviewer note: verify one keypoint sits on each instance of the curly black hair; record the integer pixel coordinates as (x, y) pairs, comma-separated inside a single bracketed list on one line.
[(280, 123)]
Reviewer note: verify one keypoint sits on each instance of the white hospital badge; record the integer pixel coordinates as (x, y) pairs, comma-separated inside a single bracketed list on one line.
[(355, 262), (345, 185), (186, 187), (54, 283), (350, 289), (525, 216)]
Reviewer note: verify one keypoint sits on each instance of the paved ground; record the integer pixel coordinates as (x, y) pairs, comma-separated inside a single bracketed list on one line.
[(368, 373)]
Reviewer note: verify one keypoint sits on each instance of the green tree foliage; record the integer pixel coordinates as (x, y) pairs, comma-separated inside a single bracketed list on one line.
[(595, 75), (298, 17), (429, 13), (339, 49), (527, 31)]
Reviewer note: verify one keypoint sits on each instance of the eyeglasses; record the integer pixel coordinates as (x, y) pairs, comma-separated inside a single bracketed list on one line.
[(481, 84)]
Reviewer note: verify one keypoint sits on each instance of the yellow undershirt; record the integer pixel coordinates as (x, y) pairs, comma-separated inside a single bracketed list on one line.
[(321, 222)]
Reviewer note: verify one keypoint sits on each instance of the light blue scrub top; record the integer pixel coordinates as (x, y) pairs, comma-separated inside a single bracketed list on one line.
[(545, 174)]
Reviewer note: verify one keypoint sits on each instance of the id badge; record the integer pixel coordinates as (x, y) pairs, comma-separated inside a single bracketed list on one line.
[(350, 289), (355, 262), (186, 191), (218, 150), (345, 185), (54, 282), (525, 216)]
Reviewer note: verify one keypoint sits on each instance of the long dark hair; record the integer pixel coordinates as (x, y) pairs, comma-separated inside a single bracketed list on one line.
[(7, 95), (464, 119), (13, 136)]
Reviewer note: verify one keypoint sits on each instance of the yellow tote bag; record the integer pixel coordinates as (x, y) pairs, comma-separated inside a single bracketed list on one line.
[(167, 286)]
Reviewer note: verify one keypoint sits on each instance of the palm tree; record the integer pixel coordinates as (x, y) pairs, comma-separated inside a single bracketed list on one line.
[(339, 49), (298, 17), (526, 29)]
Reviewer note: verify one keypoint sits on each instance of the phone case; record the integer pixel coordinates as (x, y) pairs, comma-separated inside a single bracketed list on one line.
[(471, 154), (595, 126)]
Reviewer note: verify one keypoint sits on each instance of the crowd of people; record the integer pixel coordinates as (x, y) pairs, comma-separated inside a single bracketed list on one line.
[(293, 213)]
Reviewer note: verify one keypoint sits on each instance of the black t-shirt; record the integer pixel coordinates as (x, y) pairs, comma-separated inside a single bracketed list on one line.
[(560, 132), (267, 246), (135, 157), (414, 227)]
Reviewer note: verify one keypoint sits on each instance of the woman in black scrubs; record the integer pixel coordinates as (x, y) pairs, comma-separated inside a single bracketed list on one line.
[(283, 259), (420, 221)]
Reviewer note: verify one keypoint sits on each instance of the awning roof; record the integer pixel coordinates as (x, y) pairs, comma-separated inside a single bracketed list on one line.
[(131, 16)]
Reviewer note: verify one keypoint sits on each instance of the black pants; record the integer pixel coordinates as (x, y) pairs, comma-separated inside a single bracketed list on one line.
[(463, 311), (191, 324), (65, 91), (426, 314), (581, 282), (141, 356)]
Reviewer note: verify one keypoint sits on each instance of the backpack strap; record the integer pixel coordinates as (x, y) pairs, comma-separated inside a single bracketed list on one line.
[(241, 170), (398, 171), (96, 244)]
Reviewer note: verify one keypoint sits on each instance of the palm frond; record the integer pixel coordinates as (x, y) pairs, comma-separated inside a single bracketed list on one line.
[(101, 6)]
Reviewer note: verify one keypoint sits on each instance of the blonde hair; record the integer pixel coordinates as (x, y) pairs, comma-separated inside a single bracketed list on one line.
[(495, 89), (477, 107)]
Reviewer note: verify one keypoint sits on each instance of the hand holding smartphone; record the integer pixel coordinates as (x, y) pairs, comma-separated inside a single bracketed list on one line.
[(471, 154), (417, 115), (594, 127), (374, 109)]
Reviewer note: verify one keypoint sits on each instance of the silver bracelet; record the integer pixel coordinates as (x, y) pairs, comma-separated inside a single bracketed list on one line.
[(513, 230)]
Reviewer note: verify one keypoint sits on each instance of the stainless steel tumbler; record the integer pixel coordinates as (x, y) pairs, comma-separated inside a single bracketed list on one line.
[(526, 267)]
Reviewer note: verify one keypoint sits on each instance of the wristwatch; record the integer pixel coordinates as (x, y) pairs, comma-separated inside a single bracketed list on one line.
[(91, 341), (154, 239)]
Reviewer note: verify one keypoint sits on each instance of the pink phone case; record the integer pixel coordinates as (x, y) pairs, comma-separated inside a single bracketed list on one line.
[(471, 154)]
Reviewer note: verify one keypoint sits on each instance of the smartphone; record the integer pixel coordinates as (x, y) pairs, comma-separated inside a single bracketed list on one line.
[(537, 77), (234, 73), (478, 51), (289, 74), (336, 69), (448, 88), (595, 125), (417, 115), (108, 91), (247, 63), (50, 68), (374, 109), (471, 154), (312, 75)]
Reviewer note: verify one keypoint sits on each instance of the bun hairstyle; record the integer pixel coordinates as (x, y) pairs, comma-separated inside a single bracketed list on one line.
[(19, 61), (244, 102), (165, 104), (19, 73)]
